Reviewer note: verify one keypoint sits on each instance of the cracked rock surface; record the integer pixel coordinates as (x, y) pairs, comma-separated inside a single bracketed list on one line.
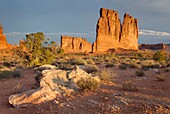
[(54, 83)]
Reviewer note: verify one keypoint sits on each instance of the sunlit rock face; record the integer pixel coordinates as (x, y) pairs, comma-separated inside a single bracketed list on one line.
[(111, 34), (129, 34), (3, 41), (108, 30), (75, 44)]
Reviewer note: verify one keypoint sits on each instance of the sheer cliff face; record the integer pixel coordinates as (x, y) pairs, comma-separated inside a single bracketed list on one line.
[(111, 34), (129, 34), (108, 30), (3, 41), (75, 45)]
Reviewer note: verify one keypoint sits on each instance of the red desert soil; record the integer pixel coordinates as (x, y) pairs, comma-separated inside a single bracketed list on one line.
[(152, 97)]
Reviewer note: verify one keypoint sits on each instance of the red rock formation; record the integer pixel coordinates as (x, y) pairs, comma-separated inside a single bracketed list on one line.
[(110, 33), (3, 41), (108, 30), (153, 46), (75, 45), (129, 34)]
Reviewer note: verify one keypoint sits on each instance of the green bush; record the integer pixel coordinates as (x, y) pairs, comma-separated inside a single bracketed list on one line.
[(160, 56), (37, 50), (5, 74), (88, 83)]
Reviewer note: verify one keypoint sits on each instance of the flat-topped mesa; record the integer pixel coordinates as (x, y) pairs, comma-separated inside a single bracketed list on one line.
[(107, 31), (129, 34), (3, 41), (75, 45)]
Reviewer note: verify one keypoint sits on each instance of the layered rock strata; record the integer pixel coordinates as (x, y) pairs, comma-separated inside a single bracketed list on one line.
[(108, 30), (111, 34), (75, 45)]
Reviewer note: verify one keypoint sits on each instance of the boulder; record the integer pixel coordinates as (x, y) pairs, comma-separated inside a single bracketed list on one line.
[(54, 83)]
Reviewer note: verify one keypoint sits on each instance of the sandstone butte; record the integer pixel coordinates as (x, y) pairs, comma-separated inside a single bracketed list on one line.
[(110, 34)]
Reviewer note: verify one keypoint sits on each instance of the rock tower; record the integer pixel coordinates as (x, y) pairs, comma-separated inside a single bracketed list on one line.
[(3, 41), (110, 34)]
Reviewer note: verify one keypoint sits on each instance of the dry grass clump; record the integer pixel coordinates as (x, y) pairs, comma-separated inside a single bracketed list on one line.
[(90, 61), (161, 77), (109, 65), (91, 68), (129, 86), (78, 61), (88, 83), (139, 73), (106, 75)]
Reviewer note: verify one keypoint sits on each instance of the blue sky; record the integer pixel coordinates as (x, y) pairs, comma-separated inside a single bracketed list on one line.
[(79, 18)]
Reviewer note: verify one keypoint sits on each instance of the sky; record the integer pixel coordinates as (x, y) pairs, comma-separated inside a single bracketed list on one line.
[(79, 18)]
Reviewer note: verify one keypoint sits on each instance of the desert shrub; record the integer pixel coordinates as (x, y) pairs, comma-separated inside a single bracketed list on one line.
[(109, 65), (65, 67), (123, 66), (5, 74), (133, 65), (129, 86), (90, 61), (91, 68), (106, 75), (78, 61), (159, 56), (16, 73), (139, 73), (37, 50), (88, 83), (161, 77)]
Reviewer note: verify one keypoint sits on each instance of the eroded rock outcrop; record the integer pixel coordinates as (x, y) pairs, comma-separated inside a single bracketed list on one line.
[(3, 41), (129, 34), (108, 30), (75, 45), (52, 84), (111, 34)]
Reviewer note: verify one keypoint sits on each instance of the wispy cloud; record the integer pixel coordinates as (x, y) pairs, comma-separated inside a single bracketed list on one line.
[(141, 32), (48, 33), (153, 33)]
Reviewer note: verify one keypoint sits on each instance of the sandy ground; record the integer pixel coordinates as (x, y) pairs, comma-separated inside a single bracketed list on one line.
[(152, 97)]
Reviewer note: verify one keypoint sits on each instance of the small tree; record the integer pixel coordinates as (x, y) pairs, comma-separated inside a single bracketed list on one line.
[(160, 56), (38, 49)]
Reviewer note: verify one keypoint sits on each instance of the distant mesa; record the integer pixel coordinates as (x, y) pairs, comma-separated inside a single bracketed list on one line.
[(3, 41), (110, 34)]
